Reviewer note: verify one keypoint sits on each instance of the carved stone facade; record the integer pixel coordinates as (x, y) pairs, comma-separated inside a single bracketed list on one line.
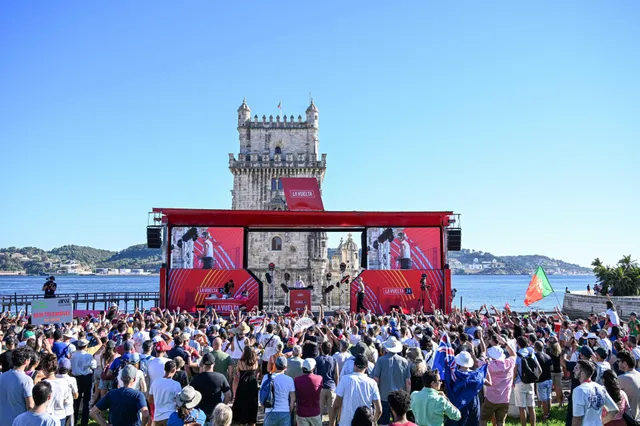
[(349, 254), (269, 150)]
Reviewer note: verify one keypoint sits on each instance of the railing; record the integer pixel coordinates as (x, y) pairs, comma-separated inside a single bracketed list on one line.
[(87, 301)]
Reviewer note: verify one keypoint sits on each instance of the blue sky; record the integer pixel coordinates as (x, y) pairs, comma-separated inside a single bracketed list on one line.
[(522, 116)]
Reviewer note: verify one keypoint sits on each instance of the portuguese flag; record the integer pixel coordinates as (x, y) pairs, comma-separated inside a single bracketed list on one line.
[(539, 287)]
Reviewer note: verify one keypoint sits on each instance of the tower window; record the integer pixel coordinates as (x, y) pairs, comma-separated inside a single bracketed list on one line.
[(278, 150), (276, 244), (274, 184)]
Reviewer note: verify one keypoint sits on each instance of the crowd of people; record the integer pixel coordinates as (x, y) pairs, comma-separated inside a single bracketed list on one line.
[(171, 368)]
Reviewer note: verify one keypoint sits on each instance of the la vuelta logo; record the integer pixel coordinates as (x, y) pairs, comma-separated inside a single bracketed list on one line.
[(302, 193)]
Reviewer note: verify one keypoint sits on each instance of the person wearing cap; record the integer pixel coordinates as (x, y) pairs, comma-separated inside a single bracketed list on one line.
[(124, 404), (16, 387), (133, 359), (162, 394), (82, 366), (62, 347), (211, 385), (308, 389), (498, 394), (156, 365), (294, 364), (353, 391), (395, 373), (64, 368), (61, 396), (186, 402), (524, 391), (284, 396), (604, 341), (50, 288), (602, 365)]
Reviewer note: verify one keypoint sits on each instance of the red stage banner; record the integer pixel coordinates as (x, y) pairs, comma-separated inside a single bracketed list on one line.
[(300, 298), (193, 288), (302, 194), (399, 288)]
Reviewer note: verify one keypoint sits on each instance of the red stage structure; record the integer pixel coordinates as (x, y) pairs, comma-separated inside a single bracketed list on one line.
[(202, 254)]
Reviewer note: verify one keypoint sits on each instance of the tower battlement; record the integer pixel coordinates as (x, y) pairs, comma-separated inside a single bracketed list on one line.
[(276, 122), (270, 160)]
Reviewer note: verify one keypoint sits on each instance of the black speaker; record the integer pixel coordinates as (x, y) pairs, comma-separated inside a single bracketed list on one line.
[(284, 288), (154, 237), (454, 239)]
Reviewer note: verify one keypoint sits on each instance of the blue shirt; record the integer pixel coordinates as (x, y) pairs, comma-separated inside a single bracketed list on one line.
[(30, 419), (15, 386), (123, 405), (196, 415), (60, 349), (326, 368)]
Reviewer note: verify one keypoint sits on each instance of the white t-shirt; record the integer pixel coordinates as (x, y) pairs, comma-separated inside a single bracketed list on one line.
[(282, 386), (356, 390), (208, 248), (136, 385), (406, 250), (60, 397), (139, 337), (155, 369), (613, 317), (238, 348), (271, 349), (164, 392), (588, 400), (73, 385)]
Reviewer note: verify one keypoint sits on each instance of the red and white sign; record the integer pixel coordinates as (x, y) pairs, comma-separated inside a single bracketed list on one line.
[(299, 299), (302, 194)]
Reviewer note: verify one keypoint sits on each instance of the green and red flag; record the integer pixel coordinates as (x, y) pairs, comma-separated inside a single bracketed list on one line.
[(539, 287)]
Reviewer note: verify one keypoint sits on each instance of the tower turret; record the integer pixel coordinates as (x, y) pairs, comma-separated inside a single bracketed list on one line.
[(244, 113), (312, 115)]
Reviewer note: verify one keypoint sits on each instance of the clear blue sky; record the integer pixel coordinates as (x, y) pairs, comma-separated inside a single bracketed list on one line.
[(522, 116)]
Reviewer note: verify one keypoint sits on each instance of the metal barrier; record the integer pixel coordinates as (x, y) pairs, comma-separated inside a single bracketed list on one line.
[(87, 301)]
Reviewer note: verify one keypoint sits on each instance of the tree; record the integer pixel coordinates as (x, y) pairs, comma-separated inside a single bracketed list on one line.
[(624, 277)]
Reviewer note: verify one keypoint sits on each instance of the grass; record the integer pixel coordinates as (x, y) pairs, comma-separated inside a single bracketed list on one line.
[(556, 418)]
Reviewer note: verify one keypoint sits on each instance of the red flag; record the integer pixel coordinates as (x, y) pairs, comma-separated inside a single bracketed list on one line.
[(280, 105)]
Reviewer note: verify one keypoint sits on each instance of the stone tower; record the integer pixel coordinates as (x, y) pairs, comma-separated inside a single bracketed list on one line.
[(269, 150), (349, 254)]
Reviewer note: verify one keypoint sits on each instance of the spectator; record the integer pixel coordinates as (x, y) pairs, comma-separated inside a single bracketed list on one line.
[(162, 393), (82, 366), (395, 372), (589, 398), (353, 391), (133, 358), (308, 388), (64, 367), (222, 362), (269, 342), (343, 354), (610, 380), (156, 365), (187, 413), (125, 404), (430, 406), (498, 394), (222, 415), (5, 357), (363, 416), (294, 364), (181, 375), (245, 405), (400, 404), (417, 367), (633, 324), (629, 382), (16, 388), (600, 356), (544, 384), (555, 352), (61, 396), (271, 365), (107, 359), (38, 416), (211, 385), (524, 391), (284, 396), (327, 368)]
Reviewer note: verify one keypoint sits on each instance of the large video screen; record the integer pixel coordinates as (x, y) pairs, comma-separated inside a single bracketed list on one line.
[(403, 248), (206, 248)]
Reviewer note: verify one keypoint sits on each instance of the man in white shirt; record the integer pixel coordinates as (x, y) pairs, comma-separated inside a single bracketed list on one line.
[(269, 342), (405, 251), (284, 396), (589, 398), (162, 394), (353, 391), (82, 366), (156, 366), (299, 283)]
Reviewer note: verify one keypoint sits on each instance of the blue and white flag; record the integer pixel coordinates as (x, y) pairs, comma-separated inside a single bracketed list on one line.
[(444, 358)]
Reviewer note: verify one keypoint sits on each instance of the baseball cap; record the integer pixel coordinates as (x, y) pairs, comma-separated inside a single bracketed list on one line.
[(586, 351), (111, 344), (64, 363), (162, 347), (28, 334), (82, 343), (131, 358), (128, 346), (361, 361), (309, 364), (633, 314), (602, 352), (281, 362), (129, 372), (208, 359)]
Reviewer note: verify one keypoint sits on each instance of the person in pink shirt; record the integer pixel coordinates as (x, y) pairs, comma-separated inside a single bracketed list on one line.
[(497, 395)]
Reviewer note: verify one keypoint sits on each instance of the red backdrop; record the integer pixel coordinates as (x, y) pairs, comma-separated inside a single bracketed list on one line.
[(384, 289), (188, 288)]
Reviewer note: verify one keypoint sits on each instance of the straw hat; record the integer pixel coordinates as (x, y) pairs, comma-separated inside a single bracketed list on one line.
[(243, 328), (392, 345)]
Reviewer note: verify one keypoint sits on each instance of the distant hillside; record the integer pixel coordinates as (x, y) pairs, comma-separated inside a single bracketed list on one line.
[(81, 259)]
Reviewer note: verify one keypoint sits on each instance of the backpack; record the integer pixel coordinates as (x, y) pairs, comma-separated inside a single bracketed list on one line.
[(267, 392), (529, 369)]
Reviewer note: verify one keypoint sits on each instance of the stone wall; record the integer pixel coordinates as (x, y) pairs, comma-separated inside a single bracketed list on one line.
[(582, 305)]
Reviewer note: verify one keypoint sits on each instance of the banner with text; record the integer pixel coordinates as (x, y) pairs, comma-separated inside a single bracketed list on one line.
[(51, 311), (387, 289), (403, 248), (224, 290), (302, 194), (206, 248)]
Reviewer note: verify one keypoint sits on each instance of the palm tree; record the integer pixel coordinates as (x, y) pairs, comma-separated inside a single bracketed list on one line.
[(623, 277)]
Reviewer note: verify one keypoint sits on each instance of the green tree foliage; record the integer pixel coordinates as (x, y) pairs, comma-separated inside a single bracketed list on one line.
[(624, 277), (82, 254)]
